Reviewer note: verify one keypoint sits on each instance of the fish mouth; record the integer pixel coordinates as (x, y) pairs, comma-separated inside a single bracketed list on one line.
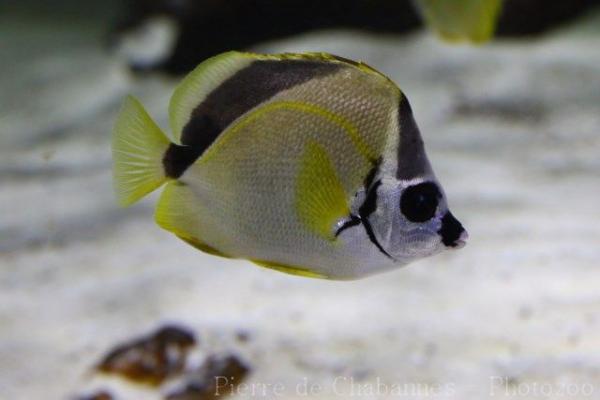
[(452, 232), (461, 241)]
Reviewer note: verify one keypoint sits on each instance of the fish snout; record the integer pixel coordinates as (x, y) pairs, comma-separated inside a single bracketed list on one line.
[(452, 232), (461, 241)]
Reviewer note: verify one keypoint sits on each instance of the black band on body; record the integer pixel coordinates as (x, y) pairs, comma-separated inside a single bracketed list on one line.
[(365, 210), (412, 161), (246, 89), (369, 206)]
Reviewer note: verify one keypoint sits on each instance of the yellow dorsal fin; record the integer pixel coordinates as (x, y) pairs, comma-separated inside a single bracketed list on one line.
[(320, 197)]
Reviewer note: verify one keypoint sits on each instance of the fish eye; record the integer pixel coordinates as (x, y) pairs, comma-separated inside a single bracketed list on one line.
[(419, 202)]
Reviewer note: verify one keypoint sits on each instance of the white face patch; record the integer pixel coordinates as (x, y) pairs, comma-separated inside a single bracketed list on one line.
[(149, 43), (405, 239)]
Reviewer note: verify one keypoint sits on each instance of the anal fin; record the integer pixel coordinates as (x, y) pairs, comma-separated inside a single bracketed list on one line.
[(202, 246), (177, 212), (288, 269)]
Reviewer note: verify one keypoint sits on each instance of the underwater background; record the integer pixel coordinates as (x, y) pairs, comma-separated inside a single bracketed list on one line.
[(512, 128)]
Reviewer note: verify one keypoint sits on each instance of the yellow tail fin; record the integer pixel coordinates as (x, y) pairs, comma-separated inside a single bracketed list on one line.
[(138, 146)]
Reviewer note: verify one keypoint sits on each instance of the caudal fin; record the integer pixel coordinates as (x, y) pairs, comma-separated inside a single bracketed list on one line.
[(138, 146)]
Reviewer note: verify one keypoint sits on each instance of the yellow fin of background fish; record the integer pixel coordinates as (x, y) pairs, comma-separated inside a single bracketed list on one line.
[(462, 20), (138, 145), (177, 212), (199, 83), (320, 197)]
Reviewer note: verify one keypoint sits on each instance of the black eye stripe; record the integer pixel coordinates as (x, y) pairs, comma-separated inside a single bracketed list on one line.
[(419, 202)]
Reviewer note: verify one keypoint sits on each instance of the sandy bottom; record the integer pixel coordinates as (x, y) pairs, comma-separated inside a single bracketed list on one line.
[(513, 132)]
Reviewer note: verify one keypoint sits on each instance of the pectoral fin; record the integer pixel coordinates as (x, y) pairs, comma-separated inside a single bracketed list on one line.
[(320, 197)]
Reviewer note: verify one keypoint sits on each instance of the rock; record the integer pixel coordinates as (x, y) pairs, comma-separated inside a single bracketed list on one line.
[(243, 336), (217, 376), (150, 359), (99, 395)]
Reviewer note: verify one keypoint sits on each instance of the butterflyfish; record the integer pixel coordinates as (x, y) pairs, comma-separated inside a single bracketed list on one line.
[(310, 164)]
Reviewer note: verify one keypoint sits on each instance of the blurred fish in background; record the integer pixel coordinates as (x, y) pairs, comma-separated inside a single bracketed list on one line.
[(174, 36), (200, 29)]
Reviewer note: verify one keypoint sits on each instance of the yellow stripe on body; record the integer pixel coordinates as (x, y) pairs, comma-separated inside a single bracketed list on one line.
[(354, 134)]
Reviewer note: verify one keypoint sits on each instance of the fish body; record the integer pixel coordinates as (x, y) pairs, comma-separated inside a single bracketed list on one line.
[(306, 163)]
